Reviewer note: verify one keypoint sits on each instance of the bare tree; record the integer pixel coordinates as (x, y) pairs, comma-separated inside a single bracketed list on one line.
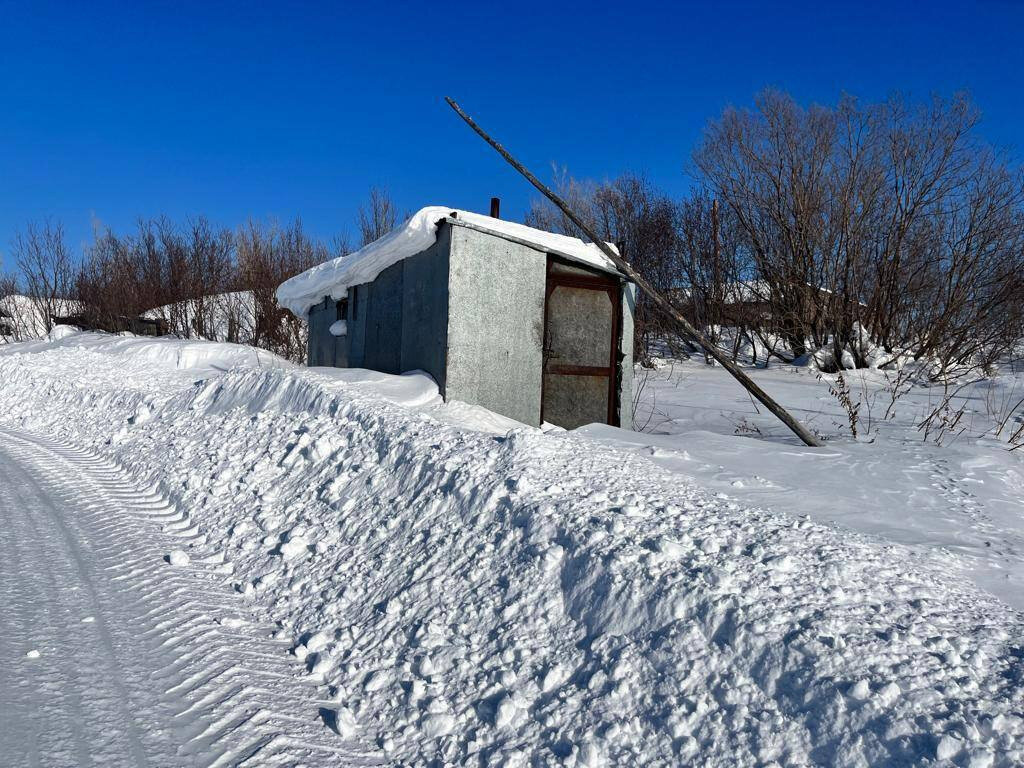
[(714, 272), (578, 194), (103, 283), (378, 217), (200, 281), (177, 275), (210, 255), (267, 256), (45, 264), (120, 278), (887, 224), (639, 220), (8, 285)]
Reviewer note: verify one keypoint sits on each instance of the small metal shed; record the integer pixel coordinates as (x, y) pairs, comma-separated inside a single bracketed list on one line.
[(535, 326)]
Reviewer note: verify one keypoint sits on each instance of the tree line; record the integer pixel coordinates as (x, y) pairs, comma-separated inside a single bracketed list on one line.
[(195, 279), (858, 234)]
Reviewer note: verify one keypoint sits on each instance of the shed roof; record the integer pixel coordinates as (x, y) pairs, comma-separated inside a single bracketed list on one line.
[(333, 278)]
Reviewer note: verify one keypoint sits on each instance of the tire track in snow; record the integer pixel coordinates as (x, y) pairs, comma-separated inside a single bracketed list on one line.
[(140, 663)]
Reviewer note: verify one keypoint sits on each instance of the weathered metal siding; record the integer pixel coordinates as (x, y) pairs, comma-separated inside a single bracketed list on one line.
[(469, 311), (383, 323), (356, 325), (626, 356), (316, 351), (425, 310), (397, 323), (496, 324), (323, 348)]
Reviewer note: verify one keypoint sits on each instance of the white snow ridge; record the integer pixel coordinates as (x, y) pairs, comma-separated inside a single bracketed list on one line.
[(448, 595)]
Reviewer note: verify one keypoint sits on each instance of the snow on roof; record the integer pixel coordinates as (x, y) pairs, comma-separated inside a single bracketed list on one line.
[(333, 278)]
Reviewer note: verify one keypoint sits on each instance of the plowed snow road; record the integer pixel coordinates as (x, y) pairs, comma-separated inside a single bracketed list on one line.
[(109, 655)]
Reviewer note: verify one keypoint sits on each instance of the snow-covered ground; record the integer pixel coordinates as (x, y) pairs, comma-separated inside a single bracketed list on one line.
[(112, 656), (466, 591), (961, 500)]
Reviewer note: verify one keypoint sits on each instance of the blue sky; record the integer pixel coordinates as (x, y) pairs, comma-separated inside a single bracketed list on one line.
[(109, 112)]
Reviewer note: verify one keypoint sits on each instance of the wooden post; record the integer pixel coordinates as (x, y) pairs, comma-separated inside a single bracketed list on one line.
[(660, 301)]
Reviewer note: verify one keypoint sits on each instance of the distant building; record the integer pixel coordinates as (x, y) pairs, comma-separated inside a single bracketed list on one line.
[(530, 324), (139, 326)]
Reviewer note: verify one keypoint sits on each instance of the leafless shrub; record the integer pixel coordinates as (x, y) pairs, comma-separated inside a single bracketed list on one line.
[(898, 384), (640, 390), (210, 255), (840, 389), (943, 422), (121, 277), (640, 381), (890, 217), (177, 275), (267, 256), (194, 280), (1016, 438), (744, 426), (1001, 404), (200, 281), (46, 267), (645, 392)]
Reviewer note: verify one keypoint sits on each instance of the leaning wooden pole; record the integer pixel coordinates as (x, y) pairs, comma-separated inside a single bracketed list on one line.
[(662, 303)]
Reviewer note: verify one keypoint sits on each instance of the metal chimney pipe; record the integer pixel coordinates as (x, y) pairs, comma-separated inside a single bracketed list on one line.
[(495, 207)]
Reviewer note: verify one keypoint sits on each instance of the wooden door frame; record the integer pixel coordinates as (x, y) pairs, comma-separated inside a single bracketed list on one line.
[(595, 282)]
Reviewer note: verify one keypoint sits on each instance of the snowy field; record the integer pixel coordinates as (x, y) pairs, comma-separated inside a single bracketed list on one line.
[(959, 499), (246, 560)]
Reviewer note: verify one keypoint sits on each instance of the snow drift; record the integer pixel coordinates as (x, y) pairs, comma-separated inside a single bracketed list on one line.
[(531, 598)]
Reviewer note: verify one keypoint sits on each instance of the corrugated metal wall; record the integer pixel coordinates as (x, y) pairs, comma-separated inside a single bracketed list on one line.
[(323, 348), (397, 323)]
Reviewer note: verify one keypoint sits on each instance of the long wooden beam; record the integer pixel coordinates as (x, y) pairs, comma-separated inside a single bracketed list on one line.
[(659, 300)]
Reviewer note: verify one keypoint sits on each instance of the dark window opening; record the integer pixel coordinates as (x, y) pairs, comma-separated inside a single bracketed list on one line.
[(341, 308)]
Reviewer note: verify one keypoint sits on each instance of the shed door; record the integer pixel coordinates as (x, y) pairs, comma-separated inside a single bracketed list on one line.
[(581, 330)]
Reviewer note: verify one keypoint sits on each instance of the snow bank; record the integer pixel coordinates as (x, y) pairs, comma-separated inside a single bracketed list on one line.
[(162, 352), (333, 278), (537, 599), (961, 502)]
